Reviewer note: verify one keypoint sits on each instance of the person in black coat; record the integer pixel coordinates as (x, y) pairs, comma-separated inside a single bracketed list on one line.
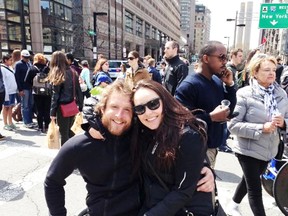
[(42, 99), (65, 88), (176, 70)]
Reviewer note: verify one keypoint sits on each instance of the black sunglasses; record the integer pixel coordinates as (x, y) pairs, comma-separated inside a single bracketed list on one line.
[(152, 105), (221, 57), (131, 58)]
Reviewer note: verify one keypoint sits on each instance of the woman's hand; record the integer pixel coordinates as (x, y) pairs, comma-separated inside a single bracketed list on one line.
[(207, 183), (269, 127), (278, 121), (95, 134)]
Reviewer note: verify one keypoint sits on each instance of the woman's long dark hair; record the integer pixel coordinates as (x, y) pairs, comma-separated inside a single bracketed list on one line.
[(168, 135)]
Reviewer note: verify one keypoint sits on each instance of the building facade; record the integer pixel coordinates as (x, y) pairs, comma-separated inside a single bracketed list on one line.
[(187, 22), (202, 27), (87, 28)]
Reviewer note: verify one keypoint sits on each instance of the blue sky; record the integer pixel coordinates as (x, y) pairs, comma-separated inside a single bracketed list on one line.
[(226, 9)]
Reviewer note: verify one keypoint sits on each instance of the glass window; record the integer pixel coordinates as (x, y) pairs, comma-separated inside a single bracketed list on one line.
[(2, 5), (147, 31), (68, 3), (47, 35), (59, 10), (154, 33), (2, 15), (60, 1), (14, 32), (3, 30), (28, 35), (13, 17), (13, 5), (4, 45), (68, 14), (139, 24), (128, 22)]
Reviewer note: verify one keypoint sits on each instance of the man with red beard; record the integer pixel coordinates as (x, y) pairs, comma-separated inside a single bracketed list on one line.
[(205, 90), (105, 165)]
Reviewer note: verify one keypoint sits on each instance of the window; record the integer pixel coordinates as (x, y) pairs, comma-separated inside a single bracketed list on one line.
[(128, 22), (154, 33), (13, 17), (47, 35), (14, 32), (139, 24), (13, 5), (3, 30), (147, 31), (59, 11), (2, 5)]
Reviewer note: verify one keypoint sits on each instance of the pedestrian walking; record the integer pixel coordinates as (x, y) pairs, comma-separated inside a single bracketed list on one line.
[(263, 113)]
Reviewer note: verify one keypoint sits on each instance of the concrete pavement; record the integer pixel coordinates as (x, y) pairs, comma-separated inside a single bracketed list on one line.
[(25, 159)]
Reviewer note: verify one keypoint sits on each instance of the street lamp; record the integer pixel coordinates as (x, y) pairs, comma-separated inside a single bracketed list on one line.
[(235, 27), (227, 44), (95, 14)]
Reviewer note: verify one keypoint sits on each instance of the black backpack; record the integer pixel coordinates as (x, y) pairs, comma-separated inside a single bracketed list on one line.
[(41, 86)]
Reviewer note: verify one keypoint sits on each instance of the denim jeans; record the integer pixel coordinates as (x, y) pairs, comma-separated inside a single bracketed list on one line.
[(27, 106)]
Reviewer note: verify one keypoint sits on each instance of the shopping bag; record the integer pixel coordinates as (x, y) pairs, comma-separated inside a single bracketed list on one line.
[(76, 127), (53, 135), (16, 112)]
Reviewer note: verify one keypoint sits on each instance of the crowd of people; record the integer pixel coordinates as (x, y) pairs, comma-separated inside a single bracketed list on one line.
[(151, 137)]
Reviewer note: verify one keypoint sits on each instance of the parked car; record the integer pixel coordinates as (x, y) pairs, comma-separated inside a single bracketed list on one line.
[(114, 67)]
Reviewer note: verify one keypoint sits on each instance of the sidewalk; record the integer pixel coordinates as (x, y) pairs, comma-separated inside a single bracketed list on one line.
[(24, 136)]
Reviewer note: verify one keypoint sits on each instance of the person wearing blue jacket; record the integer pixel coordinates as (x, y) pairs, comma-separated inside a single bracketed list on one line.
[(25, 88), (152, 70)]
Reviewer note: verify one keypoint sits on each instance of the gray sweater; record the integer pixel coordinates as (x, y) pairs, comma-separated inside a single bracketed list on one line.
[(247, 126)]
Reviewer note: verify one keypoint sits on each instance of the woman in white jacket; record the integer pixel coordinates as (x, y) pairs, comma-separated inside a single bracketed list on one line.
[(263, 112), (10, 91)]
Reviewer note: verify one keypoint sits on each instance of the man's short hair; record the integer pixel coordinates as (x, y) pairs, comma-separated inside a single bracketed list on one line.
[(147, 57), (235, 51), (70, 57), (6, 57), (151, 62), (118, 86), (209, 48), (279, 59)]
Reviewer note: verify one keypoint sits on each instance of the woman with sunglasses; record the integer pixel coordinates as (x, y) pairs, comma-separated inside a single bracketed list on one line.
[(137, 71), (101, 68), (170, 147)]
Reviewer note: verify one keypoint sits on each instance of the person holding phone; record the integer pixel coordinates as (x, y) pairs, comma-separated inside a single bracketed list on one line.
[(205, 90)]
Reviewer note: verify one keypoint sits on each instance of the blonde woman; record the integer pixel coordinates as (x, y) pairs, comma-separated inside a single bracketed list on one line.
[(263, 111)]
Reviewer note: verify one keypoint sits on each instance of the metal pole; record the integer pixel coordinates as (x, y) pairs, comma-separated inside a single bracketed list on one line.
[(235, 28), (109, 31), (95, 37), (122, 30), (116, 47), (228, 45)]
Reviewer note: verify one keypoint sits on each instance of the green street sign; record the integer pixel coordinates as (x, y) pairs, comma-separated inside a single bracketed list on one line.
[(91, 33), (273, 16)]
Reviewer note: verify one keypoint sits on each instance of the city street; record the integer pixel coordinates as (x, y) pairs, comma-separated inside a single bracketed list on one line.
[(25, 158)]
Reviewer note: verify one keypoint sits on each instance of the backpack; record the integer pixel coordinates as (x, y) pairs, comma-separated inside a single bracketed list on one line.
[(41, 86)]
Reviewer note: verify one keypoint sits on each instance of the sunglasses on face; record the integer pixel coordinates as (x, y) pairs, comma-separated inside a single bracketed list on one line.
[(152, 105), (221, 57), (131, 58)]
